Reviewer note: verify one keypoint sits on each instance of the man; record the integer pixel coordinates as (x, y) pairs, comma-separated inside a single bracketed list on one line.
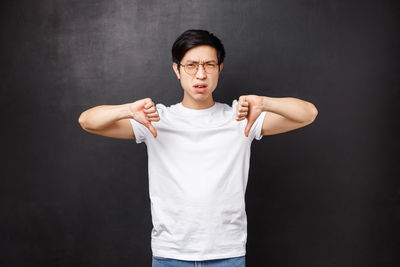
[(198, 155)]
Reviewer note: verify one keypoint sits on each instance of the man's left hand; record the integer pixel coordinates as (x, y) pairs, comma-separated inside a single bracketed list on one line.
[(249, 107)]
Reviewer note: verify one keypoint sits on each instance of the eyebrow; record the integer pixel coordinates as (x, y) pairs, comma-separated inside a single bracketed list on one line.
[(208, 61)]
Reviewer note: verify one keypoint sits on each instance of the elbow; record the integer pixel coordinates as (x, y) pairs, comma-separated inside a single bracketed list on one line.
[(82, 121), (313, 112)]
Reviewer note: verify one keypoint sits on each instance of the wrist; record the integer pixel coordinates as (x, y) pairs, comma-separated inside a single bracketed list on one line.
[(126, 112), (266, 103)]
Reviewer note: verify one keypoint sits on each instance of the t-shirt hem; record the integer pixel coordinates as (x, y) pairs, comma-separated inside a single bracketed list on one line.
[(185, 257)]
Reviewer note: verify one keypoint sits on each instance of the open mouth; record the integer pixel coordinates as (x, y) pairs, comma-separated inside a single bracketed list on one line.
[(200, 87)]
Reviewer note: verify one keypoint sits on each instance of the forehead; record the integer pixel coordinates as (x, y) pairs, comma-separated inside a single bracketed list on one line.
[(201, 53)]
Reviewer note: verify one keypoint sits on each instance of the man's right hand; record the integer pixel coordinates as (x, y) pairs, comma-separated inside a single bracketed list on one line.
[(145, 111)]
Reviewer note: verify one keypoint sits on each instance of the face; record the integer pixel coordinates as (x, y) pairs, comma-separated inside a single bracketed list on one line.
[(198, 87)]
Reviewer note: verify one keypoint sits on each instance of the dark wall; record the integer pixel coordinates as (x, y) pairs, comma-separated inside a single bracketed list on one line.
[(324, 195)]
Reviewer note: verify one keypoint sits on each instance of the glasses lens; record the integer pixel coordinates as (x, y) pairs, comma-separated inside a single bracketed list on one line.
[(191, 68), (210, 67)]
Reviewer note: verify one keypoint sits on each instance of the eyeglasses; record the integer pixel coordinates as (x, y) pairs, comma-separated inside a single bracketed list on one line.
[(192, 67)]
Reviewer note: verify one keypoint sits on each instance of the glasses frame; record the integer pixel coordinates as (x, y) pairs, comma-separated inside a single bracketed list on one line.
[(197, 67)]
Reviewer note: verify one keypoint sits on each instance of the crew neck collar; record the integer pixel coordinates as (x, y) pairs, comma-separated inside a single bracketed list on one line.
[(190, 111)]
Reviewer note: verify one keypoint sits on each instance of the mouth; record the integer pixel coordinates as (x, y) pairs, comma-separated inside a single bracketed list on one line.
[(200, 87)]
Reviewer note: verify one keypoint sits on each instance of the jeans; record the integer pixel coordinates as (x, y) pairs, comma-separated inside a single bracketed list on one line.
[(229, 262)]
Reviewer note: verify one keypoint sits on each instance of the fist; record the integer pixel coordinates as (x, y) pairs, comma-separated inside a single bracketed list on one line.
[(145, 111), (249, 107)]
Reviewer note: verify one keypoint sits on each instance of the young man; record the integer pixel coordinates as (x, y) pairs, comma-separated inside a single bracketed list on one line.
[(198, 155)]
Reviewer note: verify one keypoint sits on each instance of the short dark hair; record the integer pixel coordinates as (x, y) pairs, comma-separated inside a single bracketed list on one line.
[(193, 38)]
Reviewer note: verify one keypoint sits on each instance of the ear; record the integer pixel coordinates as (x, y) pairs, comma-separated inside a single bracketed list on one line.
[(175, 67), (221, 66)]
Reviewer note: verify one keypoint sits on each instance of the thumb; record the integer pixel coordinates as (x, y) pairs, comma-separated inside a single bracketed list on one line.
[(152, 129), (248, 127)]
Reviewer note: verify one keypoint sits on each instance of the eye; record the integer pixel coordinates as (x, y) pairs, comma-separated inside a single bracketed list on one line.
[(191, 65), (210, 67)]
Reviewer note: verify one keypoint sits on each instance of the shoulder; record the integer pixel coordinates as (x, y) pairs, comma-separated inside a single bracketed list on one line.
[(163, 109), (225, 107), (160, 107)]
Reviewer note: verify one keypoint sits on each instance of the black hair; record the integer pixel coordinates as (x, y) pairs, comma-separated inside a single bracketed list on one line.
[(193, 38)]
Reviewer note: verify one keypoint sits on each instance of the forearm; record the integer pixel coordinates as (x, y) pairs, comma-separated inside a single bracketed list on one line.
[(291, 108), (100, 117)]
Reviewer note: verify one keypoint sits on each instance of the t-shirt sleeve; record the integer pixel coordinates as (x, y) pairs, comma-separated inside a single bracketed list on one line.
[(139, 130), (256, 128)]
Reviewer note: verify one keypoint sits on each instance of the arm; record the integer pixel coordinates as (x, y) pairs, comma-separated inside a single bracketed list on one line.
[(285, 114), (113, 120)]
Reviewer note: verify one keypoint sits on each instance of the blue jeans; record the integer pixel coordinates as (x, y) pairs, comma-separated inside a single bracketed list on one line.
[(229, 262)]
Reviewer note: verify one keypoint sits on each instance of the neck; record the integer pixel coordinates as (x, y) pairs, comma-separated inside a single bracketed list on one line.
[(191, 103)]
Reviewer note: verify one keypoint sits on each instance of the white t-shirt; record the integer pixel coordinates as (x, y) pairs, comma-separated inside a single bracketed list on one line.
[(198, 169)]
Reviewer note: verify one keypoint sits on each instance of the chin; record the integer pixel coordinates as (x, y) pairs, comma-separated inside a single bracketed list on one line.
[(201, 97)]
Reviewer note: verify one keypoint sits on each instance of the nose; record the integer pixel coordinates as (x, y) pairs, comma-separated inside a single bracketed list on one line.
[(201, 73)]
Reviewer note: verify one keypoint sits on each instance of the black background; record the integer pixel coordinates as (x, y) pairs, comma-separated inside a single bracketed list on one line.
[(324, 195)]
